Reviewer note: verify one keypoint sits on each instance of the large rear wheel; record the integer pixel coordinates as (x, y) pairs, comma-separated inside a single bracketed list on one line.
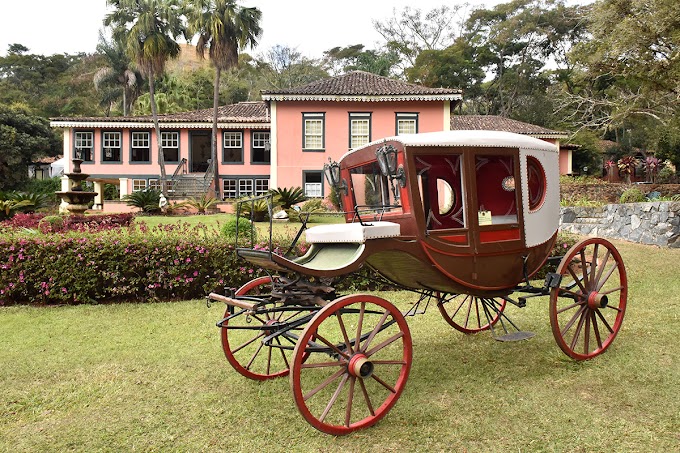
[(351, 364), (587, 308)]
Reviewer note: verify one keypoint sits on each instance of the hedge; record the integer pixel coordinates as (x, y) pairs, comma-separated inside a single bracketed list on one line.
[(170, 262)]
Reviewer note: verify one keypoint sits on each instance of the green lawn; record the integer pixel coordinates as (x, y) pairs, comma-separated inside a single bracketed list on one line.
[(153, 377)]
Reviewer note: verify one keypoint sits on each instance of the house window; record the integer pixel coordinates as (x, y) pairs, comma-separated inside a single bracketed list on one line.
[(261, 186), (155, 184), (84, 146), (111, 146), (359, 129), (170, 145), (141, 147), (233, 147), (138, 184), (313, 183), (230, 188), (407, 123), (261, 148), (313, 128), (245, 187)]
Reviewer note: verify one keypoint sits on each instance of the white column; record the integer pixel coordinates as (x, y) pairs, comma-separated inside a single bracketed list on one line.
[(67, 153), (65, 187), (274, 155), (447, 116), (123, 187), (99, 199)]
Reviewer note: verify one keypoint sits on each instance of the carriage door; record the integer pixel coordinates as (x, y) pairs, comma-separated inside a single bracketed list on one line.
[(497, 210), (541, 206)]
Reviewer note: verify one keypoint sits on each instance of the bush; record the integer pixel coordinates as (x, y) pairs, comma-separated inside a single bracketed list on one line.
[(147, 200), (51, 224), (246, 230), (633, 195), (666, 176), (83, 223)]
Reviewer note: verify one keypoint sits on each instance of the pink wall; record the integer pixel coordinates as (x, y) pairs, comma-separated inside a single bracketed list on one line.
[(292, 161)]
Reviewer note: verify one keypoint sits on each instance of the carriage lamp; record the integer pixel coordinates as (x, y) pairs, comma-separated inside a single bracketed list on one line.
[(508, 183), (387, 160), (332, 172)]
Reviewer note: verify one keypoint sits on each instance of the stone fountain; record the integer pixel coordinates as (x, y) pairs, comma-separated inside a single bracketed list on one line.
[(75, 200)]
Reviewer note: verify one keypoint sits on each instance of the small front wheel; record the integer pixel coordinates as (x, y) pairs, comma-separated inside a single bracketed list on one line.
[(587, 308), (470, 314), (351, 364)]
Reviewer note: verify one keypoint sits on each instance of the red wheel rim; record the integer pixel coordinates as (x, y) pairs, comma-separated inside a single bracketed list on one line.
[(358, 356), (470, 314), (587, 309), (244, 349)]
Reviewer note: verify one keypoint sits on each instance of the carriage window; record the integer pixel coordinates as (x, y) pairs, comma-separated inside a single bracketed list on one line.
[(536, 183), (439, 181), (371, 188), (496, 196)]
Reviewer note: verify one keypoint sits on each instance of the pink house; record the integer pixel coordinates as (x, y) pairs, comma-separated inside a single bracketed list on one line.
[(281, 141)]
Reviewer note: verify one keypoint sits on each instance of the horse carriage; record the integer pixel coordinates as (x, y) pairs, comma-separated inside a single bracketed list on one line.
[(462, 219)]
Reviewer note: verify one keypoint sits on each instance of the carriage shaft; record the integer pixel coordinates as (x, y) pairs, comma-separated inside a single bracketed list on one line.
[(232, 302)]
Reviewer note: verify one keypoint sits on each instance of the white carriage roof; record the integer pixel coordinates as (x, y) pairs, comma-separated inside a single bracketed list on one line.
[(485, 139)]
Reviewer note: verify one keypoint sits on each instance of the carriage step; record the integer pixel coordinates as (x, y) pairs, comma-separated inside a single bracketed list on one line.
[(515, 336)]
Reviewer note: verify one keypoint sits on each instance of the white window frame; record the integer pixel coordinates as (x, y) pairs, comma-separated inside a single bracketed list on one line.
[(260, 142), (84, 140), (312, 189), (359, 129), (404, 119), (261, 186), (246, 187), (232, 140), (140, 140), (170, 141), (112, 140), (138, 185), (314, 126)]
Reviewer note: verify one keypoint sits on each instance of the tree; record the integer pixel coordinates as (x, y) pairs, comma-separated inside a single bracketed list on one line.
[(284, 67), (23, 138), (151, 42), (223, 28), (354, 58), (410, 31), (118, 81)]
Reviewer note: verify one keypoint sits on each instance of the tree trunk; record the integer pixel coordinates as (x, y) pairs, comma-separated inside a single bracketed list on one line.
[(216, 104), (154, 114)]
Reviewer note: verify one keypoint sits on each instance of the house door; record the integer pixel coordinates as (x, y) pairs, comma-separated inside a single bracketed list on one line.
[(199, 154)]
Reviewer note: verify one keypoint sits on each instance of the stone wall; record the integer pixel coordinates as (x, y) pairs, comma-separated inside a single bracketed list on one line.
[(611, 192), (654, 223)]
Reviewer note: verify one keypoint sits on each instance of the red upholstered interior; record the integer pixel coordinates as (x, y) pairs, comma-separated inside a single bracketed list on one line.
[(491, 196), (445, 168)]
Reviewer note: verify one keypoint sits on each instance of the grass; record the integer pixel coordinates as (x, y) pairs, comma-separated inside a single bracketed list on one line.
[(153, 377)]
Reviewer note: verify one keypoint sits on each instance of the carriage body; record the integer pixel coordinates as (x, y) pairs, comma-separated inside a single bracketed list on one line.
[(477, 210), (460, 218)]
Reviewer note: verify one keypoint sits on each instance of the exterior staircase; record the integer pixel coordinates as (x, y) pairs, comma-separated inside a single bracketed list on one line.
[(184, 185)]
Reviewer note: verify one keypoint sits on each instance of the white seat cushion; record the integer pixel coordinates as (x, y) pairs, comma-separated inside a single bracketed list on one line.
[(352, 232)]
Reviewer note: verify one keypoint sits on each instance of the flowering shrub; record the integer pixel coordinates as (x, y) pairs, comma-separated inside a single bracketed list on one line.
[(82, 223)]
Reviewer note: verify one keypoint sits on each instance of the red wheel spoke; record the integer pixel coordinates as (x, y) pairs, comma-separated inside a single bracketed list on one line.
[(571, 322), (609, 291), (584, 268), (603, 265), (324, 384), (569, 307), (261, 321), (360, 323), (283, 354), (579, 327), (334, 397), (323, 364), (604, 321), (350, 399), (388, 362), (383, 383), (576, 279), (609, 274), (331, 345), (344, 334), (467, 316), (252, 359), (389, 341), (593, 265), (375, 331), (459, 306), (259, 335), (479, 320), (586, 339), (366, 397), (596, 330), (269, 359)]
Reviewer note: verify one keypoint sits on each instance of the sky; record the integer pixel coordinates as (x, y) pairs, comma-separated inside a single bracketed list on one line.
[(311, 27)]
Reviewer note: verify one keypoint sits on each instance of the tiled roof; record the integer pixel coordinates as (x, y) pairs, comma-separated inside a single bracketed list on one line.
[(499, 123), (243, 112), (360, 83)]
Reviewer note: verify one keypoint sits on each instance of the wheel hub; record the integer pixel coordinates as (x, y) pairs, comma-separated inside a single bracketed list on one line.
[(271, 322), (596, 300), (359, 366)]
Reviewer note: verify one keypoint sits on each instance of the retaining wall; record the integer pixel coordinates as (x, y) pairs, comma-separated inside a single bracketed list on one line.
[(654, 223)]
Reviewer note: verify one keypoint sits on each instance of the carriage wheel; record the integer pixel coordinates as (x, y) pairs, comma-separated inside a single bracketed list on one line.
[(358, 356), (586, 310), (470, 314), (243, 347)]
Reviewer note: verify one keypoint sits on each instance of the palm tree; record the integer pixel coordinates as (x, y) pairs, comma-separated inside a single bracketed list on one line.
[(118, 80), (151, 42), (224, 28)]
